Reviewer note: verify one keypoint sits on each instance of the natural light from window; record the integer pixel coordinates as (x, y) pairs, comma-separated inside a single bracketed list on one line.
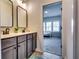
[(56, 26), (47, 26)]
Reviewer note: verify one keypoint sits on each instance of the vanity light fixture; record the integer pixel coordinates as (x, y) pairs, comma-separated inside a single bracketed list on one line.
[(22, 3)]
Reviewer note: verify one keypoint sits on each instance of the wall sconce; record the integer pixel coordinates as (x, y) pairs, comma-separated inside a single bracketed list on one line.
[(22, 3)]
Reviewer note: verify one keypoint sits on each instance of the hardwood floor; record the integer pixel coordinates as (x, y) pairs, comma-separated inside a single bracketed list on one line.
[(45, 55)]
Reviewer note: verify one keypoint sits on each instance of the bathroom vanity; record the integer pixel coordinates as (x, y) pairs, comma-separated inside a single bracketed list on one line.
[(18, 45)]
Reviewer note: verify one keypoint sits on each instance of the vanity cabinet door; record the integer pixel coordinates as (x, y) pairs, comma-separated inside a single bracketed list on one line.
[(22, 50), (9, 53), (29, 47)]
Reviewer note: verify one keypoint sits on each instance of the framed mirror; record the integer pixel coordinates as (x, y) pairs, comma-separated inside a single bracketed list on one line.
[(22, 18), (6, 13)]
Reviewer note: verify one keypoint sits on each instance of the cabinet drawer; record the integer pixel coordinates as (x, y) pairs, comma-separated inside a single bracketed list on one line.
[(21, 39), (8, 42)]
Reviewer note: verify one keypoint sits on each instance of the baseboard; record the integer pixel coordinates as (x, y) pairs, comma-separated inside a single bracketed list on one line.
[(38, 51)]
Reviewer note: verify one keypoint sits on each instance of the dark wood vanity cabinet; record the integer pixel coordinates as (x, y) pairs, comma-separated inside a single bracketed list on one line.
[(20, 47)]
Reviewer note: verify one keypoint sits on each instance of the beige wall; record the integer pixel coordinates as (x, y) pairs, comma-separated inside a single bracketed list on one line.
[(35, 20)]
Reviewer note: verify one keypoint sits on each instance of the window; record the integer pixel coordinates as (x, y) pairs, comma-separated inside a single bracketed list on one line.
[(48, 26), (56, 26)]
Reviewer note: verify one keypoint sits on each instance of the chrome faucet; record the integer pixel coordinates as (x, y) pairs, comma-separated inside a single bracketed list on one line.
[(6, 31)]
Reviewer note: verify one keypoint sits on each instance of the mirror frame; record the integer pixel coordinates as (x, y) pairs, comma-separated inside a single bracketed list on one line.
[(17, 16), (12, 17)]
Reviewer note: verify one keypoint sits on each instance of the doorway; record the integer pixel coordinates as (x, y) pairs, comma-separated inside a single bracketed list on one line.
[(52, 28)]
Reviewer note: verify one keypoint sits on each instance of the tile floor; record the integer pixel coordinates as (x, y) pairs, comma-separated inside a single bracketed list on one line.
[(45, 55)]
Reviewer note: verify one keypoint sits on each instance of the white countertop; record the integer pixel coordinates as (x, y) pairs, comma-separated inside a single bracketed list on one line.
[(14, 35)]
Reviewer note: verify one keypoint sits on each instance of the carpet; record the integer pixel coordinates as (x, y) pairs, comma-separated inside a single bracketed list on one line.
[(53, 45)]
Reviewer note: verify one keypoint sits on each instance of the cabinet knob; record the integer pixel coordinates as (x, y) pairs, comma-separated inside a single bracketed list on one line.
[(18, 45)]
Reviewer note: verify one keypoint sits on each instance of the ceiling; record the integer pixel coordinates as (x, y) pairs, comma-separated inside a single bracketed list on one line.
[(52, 10)]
